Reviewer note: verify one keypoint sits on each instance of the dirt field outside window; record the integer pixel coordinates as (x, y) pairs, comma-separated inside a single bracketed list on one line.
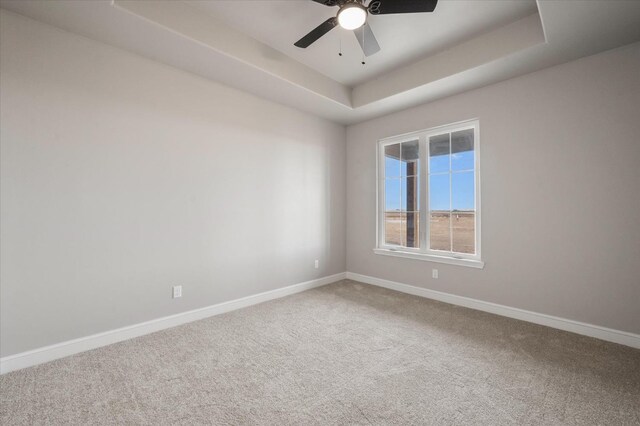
[(453, 231)]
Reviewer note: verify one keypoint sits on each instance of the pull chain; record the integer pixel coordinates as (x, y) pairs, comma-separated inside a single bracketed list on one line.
[(363, 41)]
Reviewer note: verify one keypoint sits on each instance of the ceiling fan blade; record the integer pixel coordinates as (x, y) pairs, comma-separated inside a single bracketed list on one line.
[(367, 40), (316, 33), (328, 2), (386, 7)]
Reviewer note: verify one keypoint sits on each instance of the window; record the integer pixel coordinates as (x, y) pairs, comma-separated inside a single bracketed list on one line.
[(429, 195)]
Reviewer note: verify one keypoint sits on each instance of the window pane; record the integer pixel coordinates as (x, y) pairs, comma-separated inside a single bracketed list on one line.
[(463, 191), (410, 157), (410, 194), (439, 237), (413, 234), (463, 226), (392, 193), (439, 192), (439, 153), (392, 160), (462, 154), (394, 228)]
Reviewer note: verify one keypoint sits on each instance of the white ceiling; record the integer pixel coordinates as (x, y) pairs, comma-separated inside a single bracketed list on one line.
[(461, 46), (402, 38)]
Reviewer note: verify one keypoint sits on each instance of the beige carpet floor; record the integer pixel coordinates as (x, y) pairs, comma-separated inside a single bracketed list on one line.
[(346, 353)]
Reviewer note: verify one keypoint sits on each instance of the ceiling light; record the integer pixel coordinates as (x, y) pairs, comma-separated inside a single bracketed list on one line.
[(352, 16)]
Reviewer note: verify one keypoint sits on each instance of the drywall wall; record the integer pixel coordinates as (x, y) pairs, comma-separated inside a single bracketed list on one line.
[(560, 183), (122, 177)]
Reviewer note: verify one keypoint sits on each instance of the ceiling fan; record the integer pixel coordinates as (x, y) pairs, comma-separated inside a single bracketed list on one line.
[(353, 14)]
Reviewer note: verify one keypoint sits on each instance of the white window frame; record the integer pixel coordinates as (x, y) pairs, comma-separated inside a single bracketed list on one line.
[(424, 252)]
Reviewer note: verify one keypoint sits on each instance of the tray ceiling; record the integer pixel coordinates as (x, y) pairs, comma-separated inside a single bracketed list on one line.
[(402, 38), (249, 45)]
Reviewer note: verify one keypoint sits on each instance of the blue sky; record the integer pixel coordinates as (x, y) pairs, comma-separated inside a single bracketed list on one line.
[(462, 183)]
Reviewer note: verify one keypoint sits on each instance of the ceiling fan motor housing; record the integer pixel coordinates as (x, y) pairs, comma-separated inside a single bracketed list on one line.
[(374, 7)]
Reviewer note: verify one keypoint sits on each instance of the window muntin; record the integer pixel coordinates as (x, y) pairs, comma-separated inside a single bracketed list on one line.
[(441, 166)]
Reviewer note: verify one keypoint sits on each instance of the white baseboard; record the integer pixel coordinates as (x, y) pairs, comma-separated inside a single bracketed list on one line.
[(603, 333), (70, 347)]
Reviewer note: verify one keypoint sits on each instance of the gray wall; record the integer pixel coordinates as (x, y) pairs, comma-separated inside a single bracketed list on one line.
[(560, 153), (122, 177)]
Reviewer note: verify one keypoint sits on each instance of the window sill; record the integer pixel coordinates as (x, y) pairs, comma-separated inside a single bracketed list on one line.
[(431, 258)]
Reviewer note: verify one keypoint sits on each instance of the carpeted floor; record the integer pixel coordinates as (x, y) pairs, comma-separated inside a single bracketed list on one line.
[(346, 353)]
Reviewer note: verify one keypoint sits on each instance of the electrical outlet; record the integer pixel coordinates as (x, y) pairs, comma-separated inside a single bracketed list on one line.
[(434, 273), (177, 291), (317, 264)]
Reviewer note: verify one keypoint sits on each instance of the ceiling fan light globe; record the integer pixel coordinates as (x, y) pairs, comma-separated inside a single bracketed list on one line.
[(352, 16)]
